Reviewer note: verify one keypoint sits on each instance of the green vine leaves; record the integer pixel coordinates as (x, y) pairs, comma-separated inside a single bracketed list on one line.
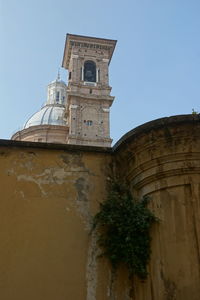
[(123, 226)]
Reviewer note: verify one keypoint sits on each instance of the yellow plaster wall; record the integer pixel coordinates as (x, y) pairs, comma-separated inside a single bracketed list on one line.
[(49, 194), (47, 199)]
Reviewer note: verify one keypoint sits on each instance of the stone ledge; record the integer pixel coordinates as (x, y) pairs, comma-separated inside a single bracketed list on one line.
[(66, 147)]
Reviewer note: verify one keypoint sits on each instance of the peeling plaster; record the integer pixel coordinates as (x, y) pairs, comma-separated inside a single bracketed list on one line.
[(32, 179), (111, 286), (70, 168), (73, 160), (48, 176), (10, 172), (22, 194), (82, 202), (91, 270)]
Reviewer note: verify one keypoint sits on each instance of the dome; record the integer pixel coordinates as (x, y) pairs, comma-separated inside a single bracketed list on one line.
[(48, 115), (49, 123), (58, 81)]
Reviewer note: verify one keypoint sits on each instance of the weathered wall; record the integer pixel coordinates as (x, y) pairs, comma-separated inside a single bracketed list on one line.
[(47, 198), (49, 193), (162, 159)]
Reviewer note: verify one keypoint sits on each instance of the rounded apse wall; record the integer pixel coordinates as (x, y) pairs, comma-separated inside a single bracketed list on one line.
[(162, 159)]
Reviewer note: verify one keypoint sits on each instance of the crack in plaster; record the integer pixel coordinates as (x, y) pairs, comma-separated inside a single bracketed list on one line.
[(82, 202)]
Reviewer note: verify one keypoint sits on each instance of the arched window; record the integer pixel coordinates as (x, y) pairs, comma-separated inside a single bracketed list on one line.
[(89, 71)]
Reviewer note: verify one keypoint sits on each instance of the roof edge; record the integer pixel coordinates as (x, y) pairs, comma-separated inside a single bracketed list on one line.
[(52, 146), (154, 124), (88, 39)]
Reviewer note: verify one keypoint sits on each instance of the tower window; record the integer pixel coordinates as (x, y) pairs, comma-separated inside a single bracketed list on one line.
[(57, 96), (88, 122), (90, 71), (70, 75)]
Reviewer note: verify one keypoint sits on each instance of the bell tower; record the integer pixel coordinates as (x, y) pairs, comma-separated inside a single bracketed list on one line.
[(88, 95)]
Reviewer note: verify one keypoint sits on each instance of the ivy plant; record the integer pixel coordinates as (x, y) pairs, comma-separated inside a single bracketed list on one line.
[(123, 226)]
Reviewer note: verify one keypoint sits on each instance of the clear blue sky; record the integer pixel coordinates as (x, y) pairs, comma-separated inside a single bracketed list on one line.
[(155, 70)]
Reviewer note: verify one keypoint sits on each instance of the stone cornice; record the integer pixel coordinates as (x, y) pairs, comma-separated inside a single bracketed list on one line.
[(91, 96), (86, 42), (52, 146), (87, 85), (154, 125), (163, 175), (38, 128), (164, 164)]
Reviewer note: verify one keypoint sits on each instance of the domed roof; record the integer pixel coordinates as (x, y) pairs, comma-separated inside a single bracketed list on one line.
[(48, 115), (58, 81)]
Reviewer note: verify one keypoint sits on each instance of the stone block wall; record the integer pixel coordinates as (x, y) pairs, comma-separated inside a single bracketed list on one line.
[(161, 159)]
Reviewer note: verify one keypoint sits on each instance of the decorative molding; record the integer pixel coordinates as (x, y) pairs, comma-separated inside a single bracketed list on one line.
[(73, 106), (164, 175), (87, 42), (185, 159), (90, 45), (90, 83)]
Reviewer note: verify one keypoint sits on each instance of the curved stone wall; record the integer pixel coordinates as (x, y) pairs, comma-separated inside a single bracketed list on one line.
[(162, 159)]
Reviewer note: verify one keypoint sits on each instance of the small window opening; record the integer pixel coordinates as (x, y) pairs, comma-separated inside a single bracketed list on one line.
[(70, 75), (90, 91), (57, 96), (89, 122)]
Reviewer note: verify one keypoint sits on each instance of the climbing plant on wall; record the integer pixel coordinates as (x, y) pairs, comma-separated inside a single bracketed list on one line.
[(123, 226)]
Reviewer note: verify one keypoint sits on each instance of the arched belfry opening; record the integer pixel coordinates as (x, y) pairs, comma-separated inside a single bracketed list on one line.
[(90, 71)]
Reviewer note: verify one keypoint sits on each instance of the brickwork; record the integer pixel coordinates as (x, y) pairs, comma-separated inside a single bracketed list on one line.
[(88, 103)]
